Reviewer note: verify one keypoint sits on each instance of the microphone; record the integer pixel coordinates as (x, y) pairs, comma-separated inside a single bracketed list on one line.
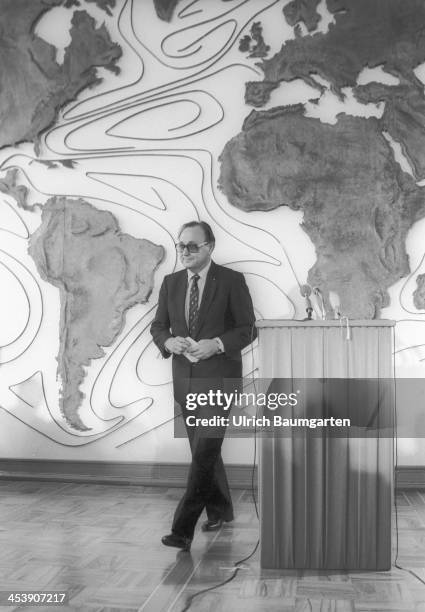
[(305, 291), (319, 295)]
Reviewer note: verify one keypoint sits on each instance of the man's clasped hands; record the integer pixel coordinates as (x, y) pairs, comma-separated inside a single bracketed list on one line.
[(204, 349)]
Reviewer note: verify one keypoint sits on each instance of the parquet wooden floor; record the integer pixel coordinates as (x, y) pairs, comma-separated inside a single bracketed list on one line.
[(101, 543)]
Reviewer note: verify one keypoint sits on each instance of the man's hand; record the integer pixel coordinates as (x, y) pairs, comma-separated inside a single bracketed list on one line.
[(205, 349), (176, 345)]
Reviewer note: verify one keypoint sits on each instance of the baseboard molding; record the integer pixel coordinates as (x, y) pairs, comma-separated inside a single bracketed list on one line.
[(410, 477), (122, 472), (151, 474)]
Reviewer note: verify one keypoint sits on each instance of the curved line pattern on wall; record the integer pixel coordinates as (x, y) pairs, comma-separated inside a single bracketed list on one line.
[(21, 222), (84, 116), (183, 12), (175, 83), (226, 47), (29, 285), (52, 416), (16, 277), (406, 283), (94, 118)]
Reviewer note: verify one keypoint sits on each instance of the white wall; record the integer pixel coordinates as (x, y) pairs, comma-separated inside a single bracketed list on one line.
[(128, 400)]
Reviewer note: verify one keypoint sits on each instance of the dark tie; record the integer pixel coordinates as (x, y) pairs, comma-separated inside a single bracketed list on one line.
[(193, 304)]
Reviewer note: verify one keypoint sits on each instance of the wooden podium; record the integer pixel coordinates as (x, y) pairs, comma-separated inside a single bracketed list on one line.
[(325, 502)]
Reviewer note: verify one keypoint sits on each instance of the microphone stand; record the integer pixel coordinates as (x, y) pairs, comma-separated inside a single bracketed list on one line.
[(306, 292)]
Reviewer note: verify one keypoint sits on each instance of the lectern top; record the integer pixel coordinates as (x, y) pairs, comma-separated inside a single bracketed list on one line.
[(327, 323)]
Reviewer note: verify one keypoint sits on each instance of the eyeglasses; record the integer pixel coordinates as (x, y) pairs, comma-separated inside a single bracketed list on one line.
[(192, 247)]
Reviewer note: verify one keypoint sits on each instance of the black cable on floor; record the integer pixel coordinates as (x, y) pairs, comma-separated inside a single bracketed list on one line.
[(220, 584)]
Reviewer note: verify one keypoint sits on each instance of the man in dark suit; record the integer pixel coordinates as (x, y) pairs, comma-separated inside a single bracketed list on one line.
[(210, 304)]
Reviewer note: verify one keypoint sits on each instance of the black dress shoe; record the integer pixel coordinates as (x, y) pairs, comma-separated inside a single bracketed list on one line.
[(213, 525), (177, 541)]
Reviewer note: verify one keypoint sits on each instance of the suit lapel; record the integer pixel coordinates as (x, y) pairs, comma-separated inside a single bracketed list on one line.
[(181, 288), (207, 296)]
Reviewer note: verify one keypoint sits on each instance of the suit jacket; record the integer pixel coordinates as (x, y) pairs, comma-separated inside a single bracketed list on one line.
[(225, 312)]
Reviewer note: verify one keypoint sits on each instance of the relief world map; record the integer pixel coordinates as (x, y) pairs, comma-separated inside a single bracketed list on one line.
[(358, 204)]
